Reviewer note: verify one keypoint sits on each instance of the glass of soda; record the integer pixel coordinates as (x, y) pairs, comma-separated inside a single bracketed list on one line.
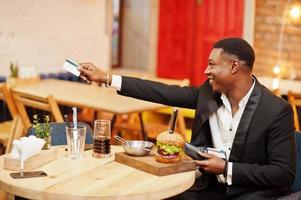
[(102, 138)]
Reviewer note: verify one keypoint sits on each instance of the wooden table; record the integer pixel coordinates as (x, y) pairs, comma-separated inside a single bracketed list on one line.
[(92, 178), (89, 96)]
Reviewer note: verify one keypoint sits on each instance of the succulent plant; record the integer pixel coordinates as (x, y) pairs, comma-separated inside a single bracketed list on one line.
[(14, 70)]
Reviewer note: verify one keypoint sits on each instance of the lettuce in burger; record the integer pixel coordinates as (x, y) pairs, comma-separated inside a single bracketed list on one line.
[(170, 147)]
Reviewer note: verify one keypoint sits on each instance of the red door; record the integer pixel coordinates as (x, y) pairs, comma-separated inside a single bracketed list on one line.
[(187, 31)]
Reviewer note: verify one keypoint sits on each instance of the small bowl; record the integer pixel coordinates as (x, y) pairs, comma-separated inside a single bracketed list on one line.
[(137, 147)]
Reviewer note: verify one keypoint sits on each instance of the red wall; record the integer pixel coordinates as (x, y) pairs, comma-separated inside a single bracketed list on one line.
[(187, 31)]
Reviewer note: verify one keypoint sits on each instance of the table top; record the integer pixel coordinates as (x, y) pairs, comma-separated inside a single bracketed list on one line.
[(87, 96), (92, 178), (284, 84)]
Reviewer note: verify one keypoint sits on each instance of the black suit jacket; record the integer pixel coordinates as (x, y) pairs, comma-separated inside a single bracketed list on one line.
[(263, 151)]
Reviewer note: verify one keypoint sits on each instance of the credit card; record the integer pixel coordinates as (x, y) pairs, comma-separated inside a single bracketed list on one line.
[(71, 67), (218, 153)]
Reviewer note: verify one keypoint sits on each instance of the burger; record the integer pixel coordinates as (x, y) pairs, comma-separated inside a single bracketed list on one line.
[(169, 147)]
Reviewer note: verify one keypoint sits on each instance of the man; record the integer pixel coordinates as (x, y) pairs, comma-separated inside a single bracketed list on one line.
[(234, 113)]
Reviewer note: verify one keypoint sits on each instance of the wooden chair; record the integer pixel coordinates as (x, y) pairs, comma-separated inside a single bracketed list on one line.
[(6, 127), (295, 100), (5, 95), (16, 131), (87, 115), (46, 104), (277, 92)]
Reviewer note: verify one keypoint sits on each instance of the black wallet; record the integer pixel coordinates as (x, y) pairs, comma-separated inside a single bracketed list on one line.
[(192, 151)]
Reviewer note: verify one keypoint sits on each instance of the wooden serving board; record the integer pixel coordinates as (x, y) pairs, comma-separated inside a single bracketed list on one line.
[(33, 162), (150, 165)]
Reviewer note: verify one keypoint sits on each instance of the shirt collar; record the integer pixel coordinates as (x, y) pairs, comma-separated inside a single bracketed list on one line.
[(242, 102)]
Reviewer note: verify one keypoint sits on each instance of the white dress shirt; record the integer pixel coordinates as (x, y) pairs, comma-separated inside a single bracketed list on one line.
[(116, 82), (223, 125)]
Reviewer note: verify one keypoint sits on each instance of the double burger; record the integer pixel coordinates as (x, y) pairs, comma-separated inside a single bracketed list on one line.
[(169, 147)]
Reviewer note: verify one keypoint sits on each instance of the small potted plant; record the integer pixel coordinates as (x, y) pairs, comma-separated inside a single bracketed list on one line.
[(14, 73), (14, 70), (43, 130)]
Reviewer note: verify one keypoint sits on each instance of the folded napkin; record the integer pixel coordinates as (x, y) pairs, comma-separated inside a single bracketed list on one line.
[(26, 147)]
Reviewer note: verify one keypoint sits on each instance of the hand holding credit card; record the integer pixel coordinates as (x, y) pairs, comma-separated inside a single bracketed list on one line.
[(71, 66)]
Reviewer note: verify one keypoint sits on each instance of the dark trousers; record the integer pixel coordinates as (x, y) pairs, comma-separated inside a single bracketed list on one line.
[(214, 191), (217, 191)]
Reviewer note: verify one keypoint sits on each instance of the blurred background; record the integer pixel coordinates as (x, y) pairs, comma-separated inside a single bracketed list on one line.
[(164, 38)]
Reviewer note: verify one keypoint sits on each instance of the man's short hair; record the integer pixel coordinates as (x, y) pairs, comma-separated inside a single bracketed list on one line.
[(238, 47)]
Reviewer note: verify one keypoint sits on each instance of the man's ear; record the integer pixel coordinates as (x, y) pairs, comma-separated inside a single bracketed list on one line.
[(235, 64)]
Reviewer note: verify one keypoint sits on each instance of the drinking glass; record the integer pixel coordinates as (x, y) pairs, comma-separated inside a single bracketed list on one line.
[(76, 137), (102, 138)]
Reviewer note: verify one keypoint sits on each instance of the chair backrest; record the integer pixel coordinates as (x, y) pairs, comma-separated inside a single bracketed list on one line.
[(58, 136), (296, 187), (47, 104), (277, 92), (5, 95), (295, 100), (17, 131)]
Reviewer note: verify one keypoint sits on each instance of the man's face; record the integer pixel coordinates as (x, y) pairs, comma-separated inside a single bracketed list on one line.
[(219, 71)]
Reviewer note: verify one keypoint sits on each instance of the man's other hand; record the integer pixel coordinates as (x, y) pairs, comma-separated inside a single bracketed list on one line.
[(212, 165)]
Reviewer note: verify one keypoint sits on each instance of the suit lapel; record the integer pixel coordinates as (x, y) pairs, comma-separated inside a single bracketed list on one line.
[(212, 105), (245, 121), (208, 103), (200, 133)]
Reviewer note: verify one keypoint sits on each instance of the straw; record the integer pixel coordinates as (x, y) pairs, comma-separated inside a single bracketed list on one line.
[(75, 133), (74, 117)]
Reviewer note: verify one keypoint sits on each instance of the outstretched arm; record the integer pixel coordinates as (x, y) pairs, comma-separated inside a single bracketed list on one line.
[(157, 92)]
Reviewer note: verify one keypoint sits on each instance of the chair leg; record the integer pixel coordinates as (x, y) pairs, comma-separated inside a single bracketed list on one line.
[(2, 150), (7, 196), (143, 132), (182, 125), (11, 197), (2, 194)]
